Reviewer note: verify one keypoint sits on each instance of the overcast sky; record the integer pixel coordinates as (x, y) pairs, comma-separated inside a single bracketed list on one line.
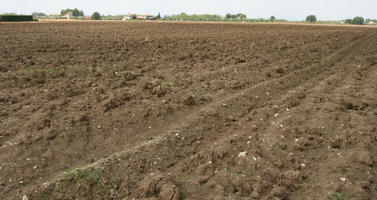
[(282, 9)]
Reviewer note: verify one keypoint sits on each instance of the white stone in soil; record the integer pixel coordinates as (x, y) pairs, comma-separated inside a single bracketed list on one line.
[(242, 154)]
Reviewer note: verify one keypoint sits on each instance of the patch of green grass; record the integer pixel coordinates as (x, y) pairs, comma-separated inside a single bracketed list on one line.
[(81, 174), (95, 176), (191, 135), (52, 71), (62, 185), (121, 78), (46, 197), (40, 73), (338, 196), (98, 177)]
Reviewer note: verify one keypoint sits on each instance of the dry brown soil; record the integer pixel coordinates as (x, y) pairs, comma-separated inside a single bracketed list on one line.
[(114, 110)]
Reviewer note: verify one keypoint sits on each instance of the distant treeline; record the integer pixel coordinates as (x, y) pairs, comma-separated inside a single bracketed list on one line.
[(112, 17), (228, 17), (202, 17), (243, 18), (239, 17), (360, 21), (15, 18), (75, 12), (370, 20)]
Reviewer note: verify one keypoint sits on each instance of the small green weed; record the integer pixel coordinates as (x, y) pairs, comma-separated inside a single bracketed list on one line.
[(46, 197), (191, 135), (193, 93), (98, 178), (53, 71), (167, 82), (338, 196), (85, 176), (121, 78)]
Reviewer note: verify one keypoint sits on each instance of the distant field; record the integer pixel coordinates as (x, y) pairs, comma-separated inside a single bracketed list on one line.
[(204, 22), (187, 110)]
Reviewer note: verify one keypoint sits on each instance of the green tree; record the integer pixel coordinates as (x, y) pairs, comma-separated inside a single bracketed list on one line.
[(311, 18), (202, 17), (96, 16), (9, 13), (184, 14), (348, 21), (75, 12), (358, 20), (241, 16), (65, 11), (158, 16), (38, 14), (272, 18)]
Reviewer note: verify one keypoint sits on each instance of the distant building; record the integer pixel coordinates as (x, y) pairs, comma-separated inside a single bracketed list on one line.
[(54, 15), (371, 23), (139, 17), (146, 17), (129, 17), (68, 15)]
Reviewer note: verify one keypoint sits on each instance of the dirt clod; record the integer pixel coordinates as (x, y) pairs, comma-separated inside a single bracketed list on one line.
[(190, 100)]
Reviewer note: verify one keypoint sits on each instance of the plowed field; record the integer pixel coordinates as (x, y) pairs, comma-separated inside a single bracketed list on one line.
[(114, 110)]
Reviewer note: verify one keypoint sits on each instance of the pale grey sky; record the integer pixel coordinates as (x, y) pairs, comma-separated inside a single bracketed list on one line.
[(287, 9)]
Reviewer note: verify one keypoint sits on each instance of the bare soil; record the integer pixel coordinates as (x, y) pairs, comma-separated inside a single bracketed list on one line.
[(114, 110)]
